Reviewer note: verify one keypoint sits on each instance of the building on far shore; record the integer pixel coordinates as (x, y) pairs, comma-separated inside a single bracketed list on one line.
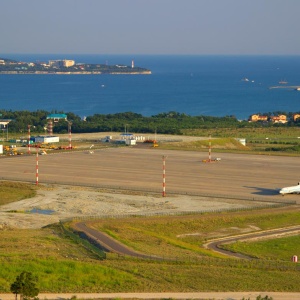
[(275, 119), (256, 118), (279, 119), (296, 117), (61, 63)]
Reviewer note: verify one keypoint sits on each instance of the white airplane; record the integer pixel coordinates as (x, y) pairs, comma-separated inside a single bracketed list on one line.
[(290, 190)]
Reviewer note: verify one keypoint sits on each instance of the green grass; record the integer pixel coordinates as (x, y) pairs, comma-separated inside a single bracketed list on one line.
[(182, 236), (250, 133), (65, 266), (264, 140), (275, 249), (225, 144), (15, 191), (229, 145), (62, 265)]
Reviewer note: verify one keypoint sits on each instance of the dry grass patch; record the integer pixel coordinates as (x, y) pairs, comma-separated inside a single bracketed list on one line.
[(215, 143), (15, 191)]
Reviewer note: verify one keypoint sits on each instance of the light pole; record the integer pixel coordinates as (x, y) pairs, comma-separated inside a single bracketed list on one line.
[(29, 139), (126, 129), (70, 134)]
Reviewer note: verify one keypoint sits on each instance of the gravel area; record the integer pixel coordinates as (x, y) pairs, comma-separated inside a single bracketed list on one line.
[(56, 202)]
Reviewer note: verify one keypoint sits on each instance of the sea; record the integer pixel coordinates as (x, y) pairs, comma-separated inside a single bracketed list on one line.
[(191, 84)]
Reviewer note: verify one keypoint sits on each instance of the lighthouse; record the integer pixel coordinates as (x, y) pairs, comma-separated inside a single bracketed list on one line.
[(132, 64)]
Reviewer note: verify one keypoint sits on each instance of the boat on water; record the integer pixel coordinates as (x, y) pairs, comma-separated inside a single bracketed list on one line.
[(245, 79), (283, 82)]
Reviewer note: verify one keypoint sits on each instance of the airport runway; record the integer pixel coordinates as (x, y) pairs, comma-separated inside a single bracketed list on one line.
[(237, 175)]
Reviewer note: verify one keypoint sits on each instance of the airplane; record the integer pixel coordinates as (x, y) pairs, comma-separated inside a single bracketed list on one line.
[(290, 190)]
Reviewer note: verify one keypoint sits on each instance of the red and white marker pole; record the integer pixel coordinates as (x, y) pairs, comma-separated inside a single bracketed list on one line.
[(37, 166), (164, 176), (209, 149), (70, 135)]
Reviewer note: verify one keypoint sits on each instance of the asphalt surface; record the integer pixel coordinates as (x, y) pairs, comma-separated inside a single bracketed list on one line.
[(236, 175), (107, 243)]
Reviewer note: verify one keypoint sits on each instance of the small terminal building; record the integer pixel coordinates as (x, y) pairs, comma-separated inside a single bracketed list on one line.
[(46, 139)]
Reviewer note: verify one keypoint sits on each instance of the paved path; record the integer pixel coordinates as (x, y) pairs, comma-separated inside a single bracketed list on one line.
[(274, 233), (107, 243)]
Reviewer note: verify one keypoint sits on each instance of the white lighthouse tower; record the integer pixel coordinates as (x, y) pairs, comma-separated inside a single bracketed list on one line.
[(132, 64)]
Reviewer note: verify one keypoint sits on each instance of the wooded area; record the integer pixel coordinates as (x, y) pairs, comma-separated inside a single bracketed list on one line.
[(166, 123)]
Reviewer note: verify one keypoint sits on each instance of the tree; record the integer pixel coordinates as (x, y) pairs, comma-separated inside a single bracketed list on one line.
[(25, 286)]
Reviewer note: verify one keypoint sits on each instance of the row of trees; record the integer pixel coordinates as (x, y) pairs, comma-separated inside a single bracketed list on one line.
[(168, 123)]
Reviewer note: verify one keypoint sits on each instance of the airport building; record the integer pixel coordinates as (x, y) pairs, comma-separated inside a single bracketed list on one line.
[(46, 139)]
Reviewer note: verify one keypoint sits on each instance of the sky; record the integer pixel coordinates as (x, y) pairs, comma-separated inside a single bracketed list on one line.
[(215, 27)]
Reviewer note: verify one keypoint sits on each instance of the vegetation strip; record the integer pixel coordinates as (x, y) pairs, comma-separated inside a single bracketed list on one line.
[(108, 243), (111, 245), (216, 245)]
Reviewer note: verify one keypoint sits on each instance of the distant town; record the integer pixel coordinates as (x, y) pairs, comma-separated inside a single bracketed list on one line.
[(66, 66), (274, 119)]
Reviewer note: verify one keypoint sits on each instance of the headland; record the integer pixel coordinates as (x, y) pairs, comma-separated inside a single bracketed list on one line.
[(67, 67)]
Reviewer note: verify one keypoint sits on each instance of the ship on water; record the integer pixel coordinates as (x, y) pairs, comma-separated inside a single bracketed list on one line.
[(283, 82)]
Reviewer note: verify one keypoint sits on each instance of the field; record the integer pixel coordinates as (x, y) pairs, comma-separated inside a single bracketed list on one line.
[(180, 237), (281, 140), (276, 249), (62, 265), (250, 133), (13, 191)]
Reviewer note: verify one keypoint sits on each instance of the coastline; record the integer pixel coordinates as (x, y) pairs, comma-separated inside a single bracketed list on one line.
[(73, 73)]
